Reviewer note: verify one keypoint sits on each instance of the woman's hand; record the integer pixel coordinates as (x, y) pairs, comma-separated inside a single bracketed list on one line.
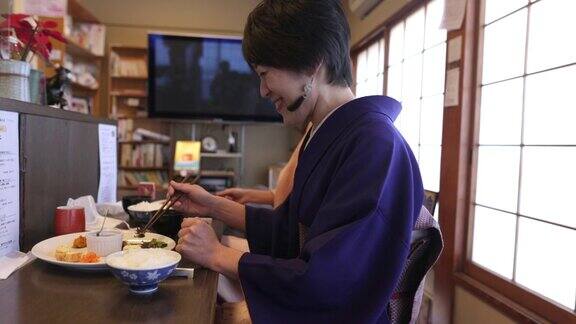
[(195, 200), (235, 194), (244, 196), (197, 242)]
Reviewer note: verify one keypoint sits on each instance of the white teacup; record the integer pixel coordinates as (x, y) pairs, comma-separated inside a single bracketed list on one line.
[(109, 241)]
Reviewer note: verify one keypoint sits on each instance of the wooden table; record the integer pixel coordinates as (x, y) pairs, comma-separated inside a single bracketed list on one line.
[(44, 293)]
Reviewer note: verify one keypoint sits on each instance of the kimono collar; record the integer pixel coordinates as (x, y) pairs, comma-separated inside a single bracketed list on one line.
[(335, 125), (342, 116), (386, 105)]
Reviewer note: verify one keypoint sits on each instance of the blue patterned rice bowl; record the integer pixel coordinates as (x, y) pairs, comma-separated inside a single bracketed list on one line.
[(143, 269)]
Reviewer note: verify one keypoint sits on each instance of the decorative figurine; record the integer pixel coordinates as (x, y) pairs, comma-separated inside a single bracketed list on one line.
[(232, 147), (56, 86)]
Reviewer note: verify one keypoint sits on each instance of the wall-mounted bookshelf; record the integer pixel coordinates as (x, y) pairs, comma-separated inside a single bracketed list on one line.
[(129, 93), (73, 48), (216, 173), (143, 160), (143, 142), (79, 86), (127, 81), (129, 179), (143, 168), (221, 155), (139, 160)]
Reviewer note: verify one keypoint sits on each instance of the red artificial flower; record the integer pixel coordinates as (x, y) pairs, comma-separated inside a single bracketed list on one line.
[(14, 20), (42, 45), (49, 24), (54, 34), (32, 38)]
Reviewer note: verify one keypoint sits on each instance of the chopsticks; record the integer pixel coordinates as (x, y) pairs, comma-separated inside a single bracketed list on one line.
[(166, 206)]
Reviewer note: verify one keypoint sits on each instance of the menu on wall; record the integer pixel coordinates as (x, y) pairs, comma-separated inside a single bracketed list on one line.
[(9, 183), (108, 163)]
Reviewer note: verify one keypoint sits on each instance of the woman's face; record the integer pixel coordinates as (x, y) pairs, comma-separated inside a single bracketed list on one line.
[(284, 88)]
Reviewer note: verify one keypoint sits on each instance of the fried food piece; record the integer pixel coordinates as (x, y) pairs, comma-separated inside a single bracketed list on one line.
[(79, 242)]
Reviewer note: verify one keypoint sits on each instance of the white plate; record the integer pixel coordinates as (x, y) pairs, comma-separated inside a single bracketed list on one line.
[(45, 250)]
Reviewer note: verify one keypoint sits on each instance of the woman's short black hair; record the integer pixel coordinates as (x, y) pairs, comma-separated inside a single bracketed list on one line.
[(297, 35)]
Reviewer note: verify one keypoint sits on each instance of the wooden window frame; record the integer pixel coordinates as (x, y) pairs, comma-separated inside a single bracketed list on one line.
[(383, 32), (512, 299), (364, 45)]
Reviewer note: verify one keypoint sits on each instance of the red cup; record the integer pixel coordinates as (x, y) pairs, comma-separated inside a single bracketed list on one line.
[(147, 189), (69, 220)]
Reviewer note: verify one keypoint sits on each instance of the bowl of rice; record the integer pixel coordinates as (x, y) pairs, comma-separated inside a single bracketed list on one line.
[(128, 201), (168, 224), (143, 269), (141, 212)]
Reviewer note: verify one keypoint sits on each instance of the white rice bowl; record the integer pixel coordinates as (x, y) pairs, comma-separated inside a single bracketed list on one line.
[(145, 206), (143, 259)]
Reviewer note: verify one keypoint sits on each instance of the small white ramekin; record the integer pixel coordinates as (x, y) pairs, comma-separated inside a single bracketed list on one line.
[(108, 242)]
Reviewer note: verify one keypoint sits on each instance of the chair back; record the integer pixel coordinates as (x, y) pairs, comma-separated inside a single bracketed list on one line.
[(425, 247), (430, 200)]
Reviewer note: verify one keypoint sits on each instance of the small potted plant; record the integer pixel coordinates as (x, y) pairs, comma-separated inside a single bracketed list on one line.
[(21, 37)]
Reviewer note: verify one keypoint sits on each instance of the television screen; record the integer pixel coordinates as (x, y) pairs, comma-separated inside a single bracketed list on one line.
[(203, 78)]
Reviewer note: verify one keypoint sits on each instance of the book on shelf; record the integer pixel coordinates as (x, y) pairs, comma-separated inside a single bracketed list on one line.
[(125, 155), (133, 178), (129, 93), (146, 155), (159, 155), (81, 104), (128, 66), (134, 102), (82, 73), (125, 129), (142, 134), (89, 36)]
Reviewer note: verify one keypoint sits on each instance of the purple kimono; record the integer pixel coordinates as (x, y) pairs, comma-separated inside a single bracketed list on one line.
[(357, 193)]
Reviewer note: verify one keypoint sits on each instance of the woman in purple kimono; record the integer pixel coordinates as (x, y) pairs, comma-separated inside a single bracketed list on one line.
[(333, 251)]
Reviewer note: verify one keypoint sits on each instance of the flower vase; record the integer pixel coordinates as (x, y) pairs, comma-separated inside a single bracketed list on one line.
[(14, 80), (37, 84)]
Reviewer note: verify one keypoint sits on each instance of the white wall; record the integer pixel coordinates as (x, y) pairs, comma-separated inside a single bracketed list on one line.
[(470, 310), (209, 15), (129, 21)]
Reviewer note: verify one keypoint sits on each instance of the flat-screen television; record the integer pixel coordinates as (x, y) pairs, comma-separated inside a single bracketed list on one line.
[(203, 78)]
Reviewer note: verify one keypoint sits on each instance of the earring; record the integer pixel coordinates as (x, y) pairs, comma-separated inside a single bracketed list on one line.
[(307, 89)]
